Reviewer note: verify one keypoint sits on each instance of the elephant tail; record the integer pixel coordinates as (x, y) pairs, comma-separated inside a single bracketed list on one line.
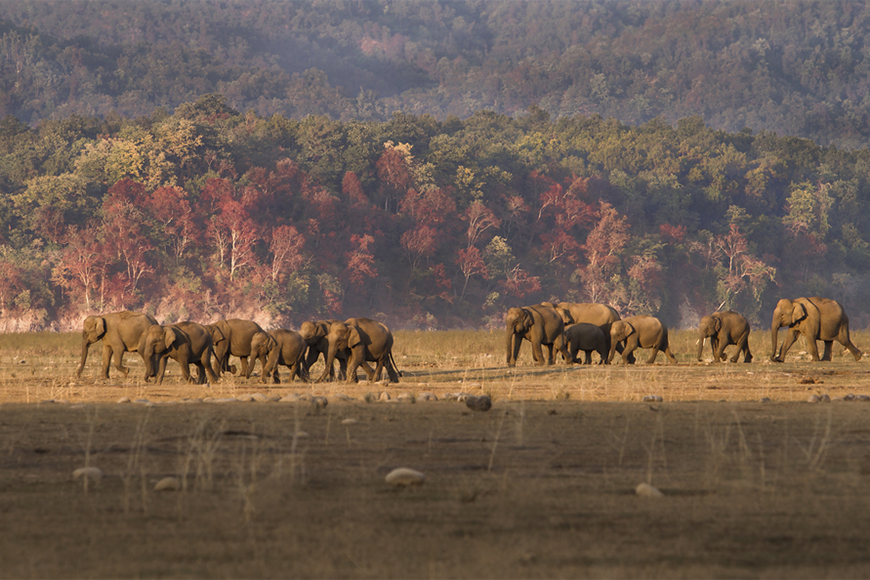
[(393, 369)]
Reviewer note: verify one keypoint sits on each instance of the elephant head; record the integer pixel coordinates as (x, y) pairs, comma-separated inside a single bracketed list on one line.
[(619, 331), (709, 327), (787, 313), (93, 329), (518, 321), (158, 339), (263, 347)]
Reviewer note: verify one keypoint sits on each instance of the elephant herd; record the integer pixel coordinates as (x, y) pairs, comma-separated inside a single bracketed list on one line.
[(569, 327), (354, 343)]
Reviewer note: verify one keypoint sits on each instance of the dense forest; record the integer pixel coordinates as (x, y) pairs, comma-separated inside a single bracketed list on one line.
[(425, 223), (430, 163), (798, 68)]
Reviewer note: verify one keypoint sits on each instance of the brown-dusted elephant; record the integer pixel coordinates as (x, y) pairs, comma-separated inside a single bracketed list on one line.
[(539, 324), (232, 337), (120, 332), (362, 340), (588, 338), (817, 319), (185, 342), (601, 315), (640, 331), (279, 347), (724, 329), (316, 336)]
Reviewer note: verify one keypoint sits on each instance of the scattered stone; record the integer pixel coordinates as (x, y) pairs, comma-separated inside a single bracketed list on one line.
[(404, 477), (191, 400), (342, 397), (482, 403), (349, 421), (814, 399), (319, 402), (124, 400), (142, 401), (406, 398), (653, 399), (261, 398), (838, 400), (246, 398), (385, 396), (862, 398), (461, 397), (291, 398), (850, 397), (92, 473), (426, 397), (825, 398), (646, 490), (764, 400), (225, 400), (168, 484)]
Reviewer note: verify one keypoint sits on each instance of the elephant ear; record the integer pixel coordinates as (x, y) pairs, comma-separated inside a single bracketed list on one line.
[(217, 335), (353, 337), (528, 320), (799, 313), (717, 323), (98, 326), (168, 337), (270, 342)]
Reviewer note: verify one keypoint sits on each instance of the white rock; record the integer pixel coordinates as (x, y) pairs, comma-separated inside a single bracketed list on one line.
[(92, 473), (404, 477), (646, 490), (406, 398), (320, 402), (764, 400), (246, 398), (168, 484), (261, 398), (825, 398), (124, 400), (814, 399), (225, 400), (385, 396), (849, 397), (142, 401), (425, 397), (291, 398), (862, 397), (349, 421), (653, 399)]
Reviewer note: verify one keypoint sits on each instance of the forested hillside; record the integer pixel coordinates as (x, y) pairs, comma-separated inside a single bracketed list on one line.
[(210, 211), (791, 67)]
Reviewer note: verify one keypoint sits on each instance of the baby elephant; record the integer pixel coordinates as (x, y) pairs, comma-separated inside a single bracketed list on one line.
[(640, 332), (724, 329), (279, 347), (586, 337)]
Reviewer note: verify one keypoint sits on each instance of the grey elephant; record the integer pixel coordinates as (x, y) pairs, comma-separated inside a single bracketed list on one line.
[(601, 315), (588, 338), (316, 336), (186, 343), (724, 329), (120, 332), (539, 324), (362, 340), (279, 347), (232, 337), (817, 319), (640, 331)]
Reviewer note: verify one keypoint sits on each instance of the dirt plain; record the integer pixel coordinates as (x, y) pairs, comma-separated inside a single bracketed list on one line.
[(542, 485)]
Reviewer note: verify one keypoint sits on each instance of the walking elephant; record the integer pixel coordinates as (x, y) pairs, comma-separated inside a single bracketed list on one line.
[(817, 319), (539, 324), (640, 331), (361, 340), (120, 332), (588, 338), (316, 336), (279, 347), (185, 342), (232, 337), (724, 329)]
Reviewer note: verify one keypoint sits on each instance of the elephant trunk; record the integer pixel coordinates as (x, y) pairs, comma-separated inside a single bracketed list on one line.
[(85, 347), (774, 334), (510, 347)]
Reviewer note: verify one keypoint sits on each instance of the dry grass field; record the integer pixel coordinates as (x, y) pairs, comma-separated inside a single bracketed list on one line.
[(542, 485)]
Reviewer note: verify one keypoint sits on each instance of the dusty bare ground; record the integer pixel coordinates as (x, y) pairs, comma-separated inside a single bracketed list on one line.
[(542, 485)]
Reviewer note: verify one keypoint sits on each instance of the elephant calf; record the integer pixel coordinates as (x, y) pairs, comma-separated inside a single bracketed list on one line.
[(586, 337), (279, 347), (724, 329), (187, 343)]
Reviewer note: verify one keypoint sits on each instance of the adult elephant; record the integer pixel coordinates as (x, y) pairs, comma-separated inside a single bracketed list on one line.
[(362, 340), (279, 347), (601, 315), (817, 319), (120, 332), (588, 338), (316, 336), (539, 324), (640, 331), (186, 343), (232, 337), (724, 329)]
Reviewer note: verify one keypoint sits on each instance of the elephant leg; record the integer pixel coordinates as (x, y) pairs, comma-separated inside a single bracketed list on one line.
[(161, 370), (790, 338), (551, 359), (119, 362), (588, 358), (653, 354), (200, 372), (276, 376), (844, 339), (828, 354), (379, 370), (244, 370), (538, 352), (185, 369), (630, 347), (669, 354), (814, 349)]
